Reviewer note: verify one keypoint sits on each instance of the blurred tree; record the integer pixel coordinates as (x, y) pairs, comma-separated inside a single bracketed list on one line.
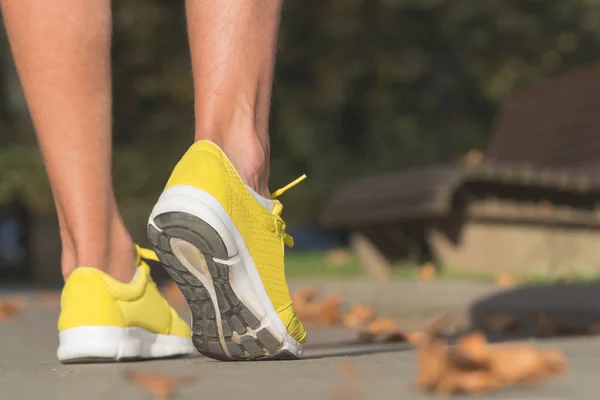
[(362, 86)]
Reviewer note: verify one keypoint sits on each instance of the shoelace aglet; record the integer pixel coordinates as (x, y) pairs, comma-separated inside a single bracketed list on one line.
[(290, 185), (143, 253)]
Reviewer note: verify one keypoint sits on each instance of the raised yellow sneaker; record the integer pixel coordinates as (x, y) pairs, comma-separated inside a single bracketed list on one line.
[(225, 250), (103, 319)]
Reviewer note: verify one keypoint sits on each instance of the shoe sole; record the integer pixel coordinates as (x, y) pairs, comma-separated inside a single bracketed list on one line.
[(96, 344), (202, 250)]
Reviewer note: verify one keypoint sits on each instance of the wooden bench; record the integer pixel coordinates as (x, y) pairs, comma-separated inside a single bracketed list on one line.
[(530, 206)]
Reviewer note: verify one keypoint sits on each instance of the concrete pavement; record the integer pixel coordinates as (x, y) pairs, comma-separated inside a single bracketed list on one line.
[(29, 370)]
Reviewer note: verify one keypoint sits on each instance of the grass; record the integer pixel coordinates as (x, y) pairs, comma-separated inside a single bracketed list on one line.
[(346, 265), (315, 264)]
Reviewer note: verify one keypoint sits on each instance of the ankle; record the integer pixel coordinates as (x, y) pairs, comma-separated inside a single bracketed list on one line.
[(68, 255), (248, 154), (121, 257), (114, 253)]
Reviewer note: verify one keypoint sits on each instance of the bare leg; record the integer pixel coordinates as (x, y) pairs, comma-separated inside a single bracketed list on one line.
[(233, 49), (62, 51)]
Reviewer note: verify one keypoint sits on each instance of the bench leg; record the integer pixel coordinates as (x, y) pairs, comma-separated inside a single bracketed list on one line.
[(374, 264)]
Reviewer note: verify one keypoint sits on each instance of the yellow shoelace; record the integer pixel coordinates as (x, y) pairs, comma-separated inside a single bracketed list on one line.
[(287, 239), (290, 185), (144, 253), (147, 254)]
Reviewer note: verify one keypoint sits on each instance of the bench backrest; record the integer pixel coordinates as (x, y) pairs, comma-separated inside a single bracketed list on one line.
[(555, 124)]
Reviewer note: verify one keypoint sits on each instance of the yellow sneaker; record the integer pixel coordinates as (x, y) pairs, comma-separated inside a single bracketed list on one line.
[(225, 251), (102, 319)]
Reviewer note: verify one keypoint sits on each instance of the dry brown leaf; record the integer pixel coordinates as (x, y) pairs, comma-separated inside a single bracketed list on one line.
[(468, 381), (366, 337), (426, 272), (304, 306), (475, 347), (432, 362), (160, 385), (396, 337), (383, 326), (548, 326), (337, 258), (304, 295), (505, 280), (328, 310), (473, 365), (414, 337), (347, 368), (11, 308), (386, 331), (323, 312), (501, 323), (518, 363), (473, 157), (359, 315)]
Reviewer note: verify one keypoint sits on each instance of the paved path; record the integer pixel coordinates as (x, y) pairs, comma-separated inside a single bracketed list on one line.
[(29, 370)]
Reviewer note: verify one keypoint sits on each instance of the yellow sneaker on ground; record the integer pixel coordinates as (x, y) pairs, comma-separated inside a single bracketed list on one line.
[(103, 319), (225, 250)]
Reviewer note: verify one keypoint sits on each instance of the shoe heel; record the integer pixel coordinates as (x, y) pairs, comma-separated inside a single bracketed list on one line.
[(199, 245)]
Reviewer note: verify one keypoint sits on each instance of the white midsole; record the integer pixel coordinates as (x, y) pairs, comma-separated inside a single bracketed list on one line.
[(116, 343), (244, 278)]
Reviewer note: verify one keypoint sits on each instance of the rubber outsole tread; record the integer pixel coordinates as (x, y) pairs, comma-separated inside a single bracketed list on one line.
[(239, 328)]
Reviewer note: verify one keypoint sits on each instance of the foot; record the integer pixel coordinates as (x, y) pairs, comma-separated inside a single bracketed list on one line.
[(103, 319), (226, 252)]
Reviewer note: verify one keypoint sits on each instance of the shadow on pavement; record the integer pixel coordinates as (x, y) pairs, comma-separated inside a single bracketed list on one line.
[(355, 349), (539, 311)]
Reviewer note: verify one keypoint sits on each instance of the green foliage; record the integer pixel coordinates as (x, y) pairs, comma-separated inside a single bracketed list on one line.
[(362, 86)]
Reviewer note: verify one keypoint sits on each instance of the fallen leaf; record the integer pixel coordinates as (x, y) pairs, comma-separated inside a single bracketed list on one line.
[(386, 331), (505, 280), (303, 300), (160, 385), (470, 381), (548, 326), (432, 362), (304, 295), (346, 388), (501, 323), (347, 369), (328, 310), (10, 308), (473, 157), (359, 315), (426, 272), (414, 337), (475, 346), (396, 337), (323, 312), (337, 258), (383, 327), (366, 337), (473, 365), (518, 363)]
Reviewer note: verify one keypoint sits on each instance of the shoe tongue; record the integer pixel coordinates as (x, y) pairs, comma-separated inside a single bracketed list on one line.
[(277, 207), (266, 203)]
